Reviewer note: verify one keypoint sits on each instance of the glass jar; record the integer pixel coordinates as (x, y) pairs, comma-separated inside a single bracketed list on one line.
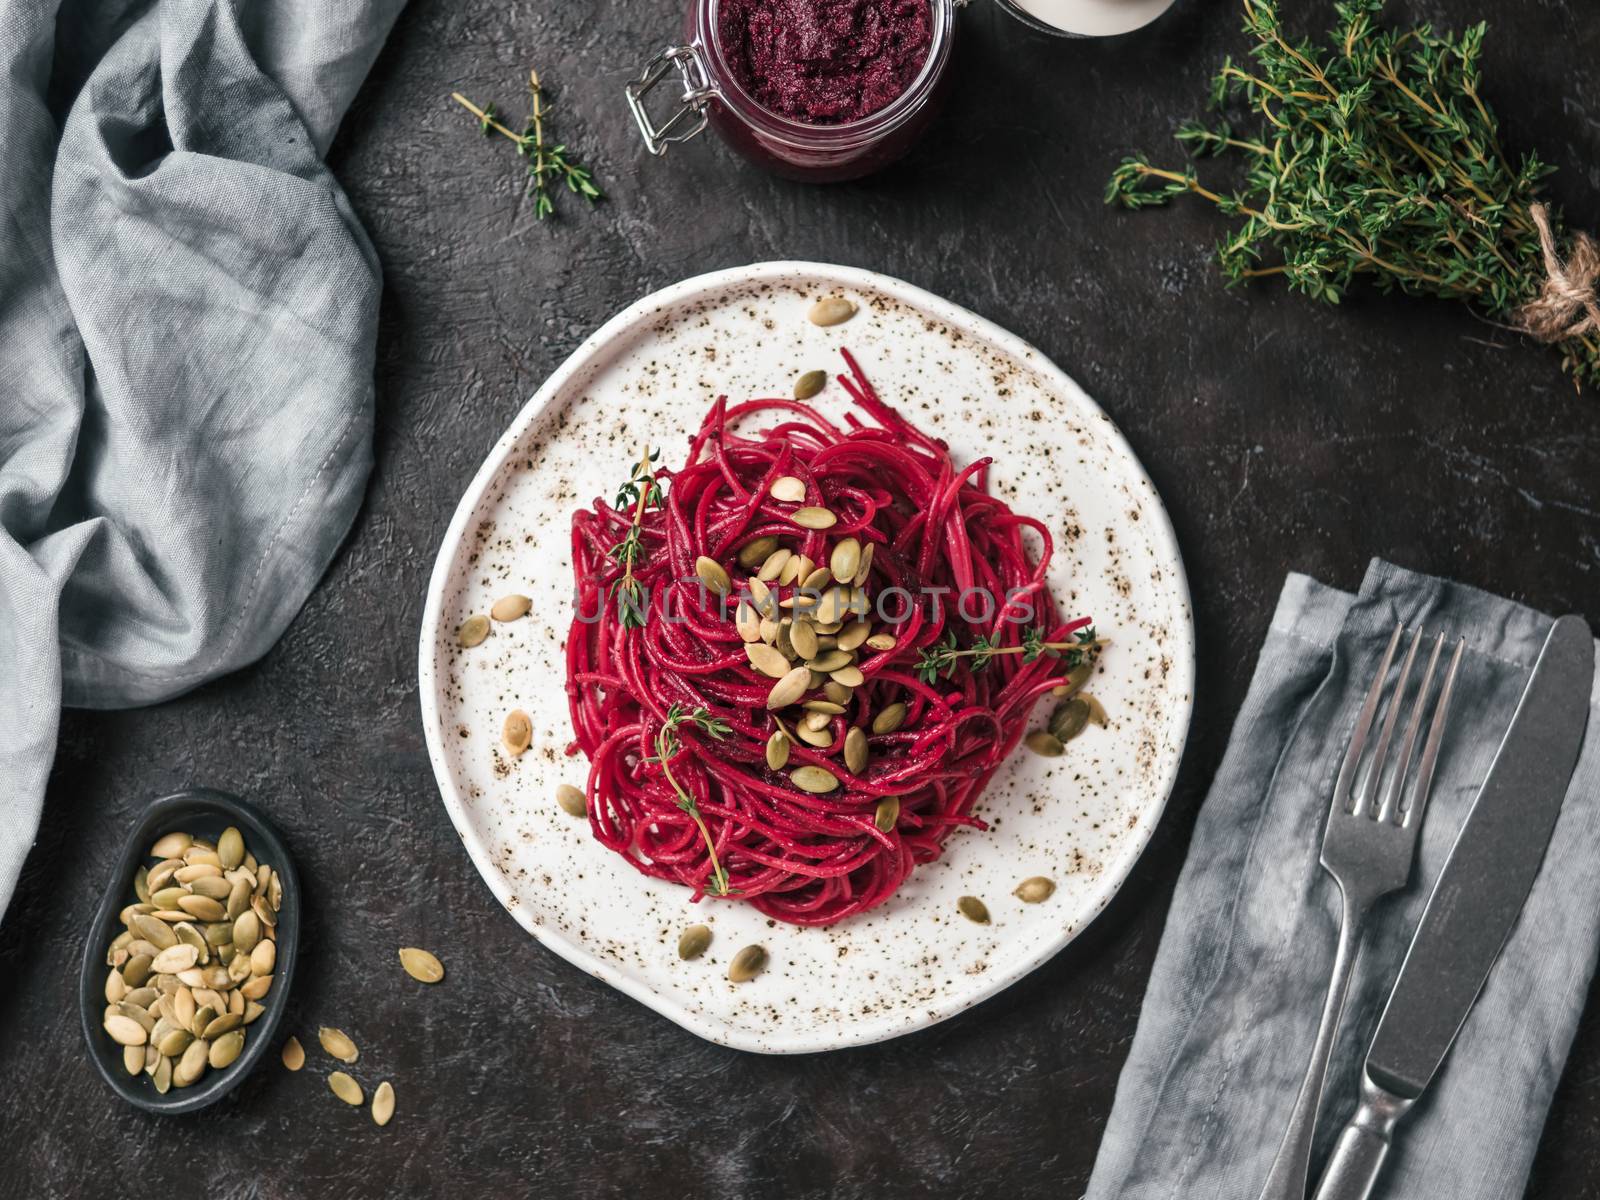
[(712, 96)]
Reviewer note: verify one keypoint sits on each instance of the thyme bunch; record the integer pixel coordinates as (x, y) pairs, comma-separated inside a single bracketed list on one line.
[(548, 165), (941, 658), (667, 747), (1373, 155)]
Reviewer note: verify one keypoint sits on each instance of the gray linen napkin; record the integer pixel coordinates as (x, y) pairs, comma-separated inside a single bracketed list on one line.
[(1236, 993), (187, 317)]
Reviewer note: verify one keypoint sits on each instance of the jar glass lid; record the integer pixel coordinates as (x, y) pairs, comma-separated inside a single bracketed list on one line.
[(1086, 18)]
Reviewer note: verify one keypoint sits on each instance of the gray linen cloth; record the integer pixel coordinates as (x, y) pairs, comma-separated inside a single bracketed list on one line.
[(1236, 994), (187, 316)]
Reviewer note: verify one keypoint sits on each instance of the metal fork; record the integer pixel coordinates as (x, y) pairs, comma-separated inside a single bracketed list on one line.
[(1370, 842)]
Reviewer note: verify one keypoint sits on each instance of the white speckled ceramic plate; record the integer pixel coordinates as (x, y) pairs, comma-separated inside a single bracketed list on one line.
[(1081, 819)]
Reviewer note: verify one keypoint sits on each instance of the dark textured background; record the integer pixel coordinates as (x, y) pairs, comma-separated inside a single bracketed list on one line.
[(1283, 436)]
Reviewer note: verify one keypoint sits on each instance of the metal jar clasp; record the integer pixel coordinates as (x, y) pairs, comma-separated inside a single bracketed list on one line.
[(690, 117)]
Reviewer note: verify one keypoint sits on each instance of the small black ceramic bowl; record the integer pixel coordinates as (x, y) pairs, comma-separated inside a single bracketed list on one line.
[(204, 813)]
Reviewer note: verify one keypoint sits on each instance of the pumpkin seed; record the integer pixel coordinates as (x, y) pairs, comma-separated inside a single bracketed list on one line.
[(219, 934), (1097, 713), (230, 848), (337, 1043), (766, 659), (202, 854), (420, 965), (346, 1089), (263, 958), (517, 732), (192, 1065), (1043, 743), (803, 637), (572, 800), (821, 738), (156, 931), (829, 660), (238, 897), (473, 630), (133, 1059), (174, 959), (855, 750), (162, 1078), (711, 574), (174, 1042), (845, 560), (137, 969), (774, 564), (816, 720), (258, 987), (865, 568), (747, 964), (973, 909), (170, 845), (226, 1023), (887, 815), (1069, 719), (833, 608), (383, 1104), (790, 688), (246, 932), (274, 892), (117, 987), (881, 641), (814, 518), (809, 384), (214, 886), (752, 554), (511, 608), (203, 907), (850, 676), (183, 1008), (852, 635), (831, 310), (134, 1013), (783, 638), (788, 489), (225, 1049), (1035, 889), (141, 885), (1076, 678), (777, 755), (252, 1011), (294, 1054), (693, 941), (203, 1016), (747, 622), (793, 568), (813, 779), (125, 1031), (837, 693)]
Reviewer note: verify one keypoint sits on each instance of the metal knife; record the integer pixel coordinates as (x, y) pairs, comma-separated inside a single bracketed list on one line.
[(1474, 905)]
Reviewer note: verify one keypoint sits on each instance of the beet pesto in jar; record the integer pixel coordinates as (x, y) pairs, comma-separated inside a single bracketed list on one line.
[(825, 62)]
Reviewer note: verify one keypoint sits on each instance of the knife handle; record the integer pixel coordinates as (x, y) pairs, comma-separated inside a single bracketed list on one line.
[(1363, 1145)]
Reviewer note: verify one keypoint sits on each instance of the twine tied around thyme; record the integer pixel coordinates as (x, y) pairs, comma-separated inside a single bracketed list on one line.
[(1566, 306)]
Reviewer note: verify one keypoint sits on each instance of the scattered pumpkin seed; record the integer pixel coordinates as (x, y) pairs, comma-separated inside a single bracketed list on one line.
[(887, 815), (777, 755), (766, 659), (747, 964), (1035, 889), (865, 568), (294, 1054), (845, 560), (1097, 712), (517, 732), (1069, 720), (890, 718), (1043, 743), (420, 965), (337, 1043), (511, 608), (713, 575), (809, 384), (346, 1089), (572, 800), (850, 676), (814, 518), (855, 750), (882, 641), (790, 688), (831, 310), (693, 941), (753, 553), (816, 780), (383, 1104), (473, 630), (973, 909)]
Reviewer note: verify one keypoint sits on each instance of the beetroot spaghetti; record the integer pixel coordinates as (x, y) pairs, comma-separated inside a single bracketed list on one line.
[(798, 660)]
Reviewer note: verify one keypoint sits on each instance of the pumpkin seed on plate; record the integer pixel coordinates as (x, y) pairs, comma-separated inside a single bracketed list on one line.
[(517, 732), (337, 1043), (258, 987), (809, 384), (511, 608), (774, 564), (803, 637), (816, 780), (887, 815), (156, 931), (747, 622), (852, 635), (162, 1078), (788, 489), (814, 518), (831, 310), (1043, 743), (420, 965), (855, 750), (693, 941), (137, 969), (753, 553), (881, 641), (713, 575), (777, 755), (346, 1089), (747, 964), (1034, 890), (790, 688), (1097, 712), (845, 560), (890, 718), (263, 958), (203, 907), (865, 569), (383, 1104), (1068, 720), (246, 932), (767, 659), (572, 800), (973, 909), (473, 630), (294, 1054), (850, 676), (174, 959)]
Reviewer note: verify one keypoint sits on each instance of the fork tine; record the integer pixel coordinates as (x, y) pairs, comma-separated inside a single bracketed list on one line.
[(1389, 809), (1363, 726), (1430, 751), (1367, 799)]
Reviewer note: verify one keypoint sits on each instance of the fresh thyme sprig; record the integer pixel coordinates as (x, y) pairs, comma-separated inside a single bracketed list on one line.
[(942, 657), (547, 164), (667, 747), (1375, 156), (641, 490)]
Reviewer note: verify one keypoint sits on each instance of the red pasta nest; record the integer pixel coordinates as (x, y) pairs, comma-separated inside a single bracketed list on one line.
[(798, 856)]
